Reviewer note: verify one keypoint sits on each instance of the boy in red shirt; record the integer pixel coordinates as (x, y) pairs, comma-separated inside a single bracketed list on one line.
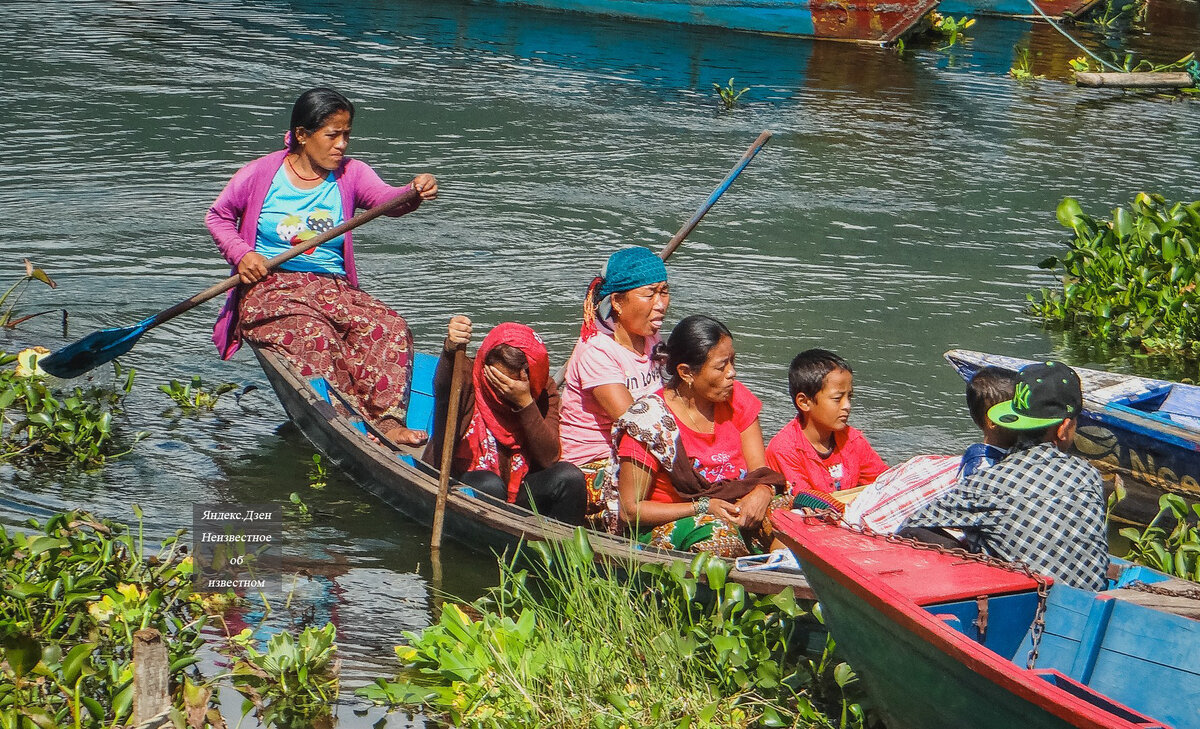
[(818, 450)]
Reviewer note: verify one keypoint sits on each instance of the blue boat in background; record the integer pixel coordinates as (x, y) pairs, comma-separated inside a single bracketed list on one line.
[(1057, 9), (872, 21), (1145, 430)]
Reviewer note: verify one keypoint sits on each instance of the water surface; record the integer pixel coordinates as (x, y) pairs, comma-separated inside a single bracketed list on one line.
[(899, 211)]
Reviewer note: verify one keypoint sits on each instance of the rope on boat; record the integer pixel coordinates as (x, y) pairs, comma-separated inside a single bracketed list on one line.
[(1067, 35)]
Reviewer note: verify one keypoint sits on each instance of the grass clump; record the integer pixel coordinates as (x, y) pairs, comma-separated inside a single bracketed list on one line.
[(576, 643), (1131, 278)]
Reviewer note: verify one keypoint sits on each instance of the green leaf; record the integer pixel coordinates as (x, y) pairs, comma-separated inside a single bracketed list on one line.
[(1069, 212), (22, 653), (76, 662)]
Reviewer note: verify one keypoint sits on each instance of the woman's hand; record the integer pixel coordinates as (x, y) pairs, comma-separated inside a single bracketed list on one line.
[(458, 333), (426, 185), (754, 505), (252, 268), (725, 511), (515, 391)]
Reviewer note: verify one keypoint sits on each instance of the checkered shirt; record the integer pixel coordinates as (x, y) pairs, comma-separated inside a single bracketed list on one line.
[(1039, 506)]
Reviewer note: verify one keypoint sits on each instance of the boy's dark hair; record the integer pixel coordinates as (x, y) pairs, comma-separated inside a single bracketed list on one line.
[(989, 386), (809, 369)]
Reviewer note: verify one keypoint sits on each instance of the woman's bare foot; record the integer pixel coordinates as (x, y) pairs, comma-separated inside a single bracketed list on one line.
[(401, 435)]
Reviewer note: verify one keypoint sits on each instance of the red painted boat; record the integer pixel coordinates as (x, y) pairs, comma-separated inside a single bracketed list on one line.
[(943, 639)]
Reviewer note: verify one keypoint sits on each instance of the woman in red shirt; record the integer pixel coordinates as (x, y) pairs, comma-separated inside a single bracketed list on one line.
[(689, 468)]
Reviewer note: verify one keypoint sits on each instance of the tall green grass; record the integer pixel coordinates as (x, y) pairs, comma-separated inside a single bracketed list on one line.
[(567, 641)]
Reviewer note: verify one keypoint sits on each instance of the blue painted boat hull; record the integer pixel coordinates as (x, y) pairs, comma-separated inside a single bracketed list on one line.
[(1017, 8), (876, 21)]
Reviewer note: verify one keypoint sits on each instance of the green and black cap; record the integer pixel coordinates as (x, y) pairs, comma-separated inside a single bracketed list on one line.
[(1045, 395)]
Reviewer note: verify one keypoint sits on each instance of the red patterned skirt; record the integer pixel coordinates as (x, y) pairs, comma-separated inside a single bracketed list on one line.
[(330, 329)]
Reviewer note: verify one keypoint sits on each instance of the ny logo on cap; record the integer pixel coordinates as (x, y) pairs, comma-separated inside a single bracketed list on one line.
[(1021, 396)]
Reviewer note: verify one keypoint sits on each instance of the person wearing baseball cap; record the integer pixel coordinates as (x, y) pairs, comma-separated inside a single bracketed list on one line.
[(1040, 505)]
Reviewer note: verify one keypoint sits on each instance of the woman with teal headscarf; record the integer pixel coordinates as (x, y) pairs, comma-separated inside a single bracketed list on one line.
[(613, 363)]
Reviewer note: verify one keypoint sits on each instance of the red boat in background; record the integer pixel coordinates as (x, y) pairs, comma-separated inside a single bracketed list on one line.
[(947, 639)]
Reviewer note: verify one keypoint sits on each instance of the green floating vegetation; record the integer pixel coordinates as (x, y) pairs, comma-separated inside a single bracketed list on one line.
[(45, 424), (729, 94), (1130, 278), (293, 682), (577, 643), (1176, 552), (196, 396), (74, 593), (9, 317)]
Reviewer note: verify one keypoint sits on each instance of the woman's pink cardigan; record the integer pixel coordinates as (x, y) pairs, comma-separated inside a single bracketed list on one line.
[(233, 222)]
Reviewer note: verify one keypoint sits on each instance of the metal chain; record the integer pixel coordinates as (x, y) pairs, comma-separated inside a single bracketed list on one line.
[(835, 518), (1192, 593)]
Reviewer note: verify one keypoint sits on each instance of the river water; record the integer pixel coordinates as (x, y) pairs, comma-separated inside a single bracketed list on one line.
[(898, 212)]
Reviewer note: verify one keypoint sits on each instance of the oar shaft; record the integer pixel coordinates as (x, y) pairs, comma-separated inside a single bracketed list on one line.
[(690, 225), (217, 289), (449, 441)]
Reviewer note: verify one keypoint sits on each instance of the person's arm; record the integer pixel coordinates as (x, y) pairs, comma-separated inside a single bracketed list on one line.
[(458, 332), (370, 190), (753, 506), (222, 222), (639, 513), (615, 399), (541, 431)]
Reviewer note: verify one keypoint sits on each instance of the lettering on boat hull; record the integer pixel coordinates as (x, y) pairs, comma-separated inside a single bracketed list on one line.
[(1102, 446)]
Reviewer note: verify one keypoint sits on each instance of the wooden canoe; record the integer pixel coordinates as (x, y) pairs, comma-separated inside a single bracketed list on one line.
[(410, 486), (942, 641), (1145, 430), (872, 21)]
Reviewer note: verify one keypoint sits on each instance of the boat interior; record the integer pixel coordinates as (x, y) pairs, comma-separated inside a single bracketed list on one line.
[(1093, 644), (1174, 403)]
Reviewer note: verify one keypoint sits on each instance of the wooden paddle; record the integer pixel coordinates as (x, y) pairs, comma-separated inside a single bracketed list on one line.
[(99, 347), (449, 440), (691, 224)]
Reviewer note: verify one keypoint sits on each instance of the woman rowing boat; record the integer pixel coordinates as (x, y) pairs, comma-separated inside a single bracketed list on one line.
[(311, 309)]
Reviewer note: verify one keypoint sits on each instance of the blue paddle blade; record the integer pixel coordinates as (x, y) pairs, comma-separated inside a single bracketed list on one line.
[(92, 351)]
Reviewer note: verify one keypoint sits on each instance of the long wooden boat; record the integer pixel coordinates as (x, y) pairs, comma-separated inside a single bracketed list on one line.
[(940, 639), (873, 21), (400, 479), (1146, 430), (1057, 9)]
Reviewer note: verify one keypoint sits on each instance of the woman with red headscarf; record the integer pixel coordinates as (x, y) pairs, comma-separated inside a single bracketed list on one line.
[(507, 435)]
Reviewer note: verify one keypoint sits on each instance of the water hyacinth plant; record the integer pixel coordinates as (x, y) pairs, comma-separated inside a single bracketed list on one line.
[(196, 396), (1175, 552), (292, 682), (1131, 278), (74, 591), (1022, 68), (575, 643), (41, 423), (11, 297), (728, 94)]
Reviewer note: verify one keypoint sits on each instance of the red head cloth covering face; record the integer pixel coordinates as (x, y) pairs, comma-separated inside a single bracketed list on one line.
[(494, 423)]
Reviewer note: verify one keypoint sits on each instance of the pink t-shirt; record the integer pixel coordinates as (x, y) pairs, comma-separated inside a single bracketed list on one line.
[(584, 428)]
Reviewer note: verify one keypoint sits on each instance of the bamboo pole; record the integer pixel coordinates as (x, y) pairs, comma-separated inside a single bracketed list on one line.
[(449, 440)]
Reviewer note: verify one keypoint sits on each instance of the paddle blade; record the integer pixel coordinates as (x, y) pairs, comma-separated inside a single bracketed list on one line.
[(92, 351)]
